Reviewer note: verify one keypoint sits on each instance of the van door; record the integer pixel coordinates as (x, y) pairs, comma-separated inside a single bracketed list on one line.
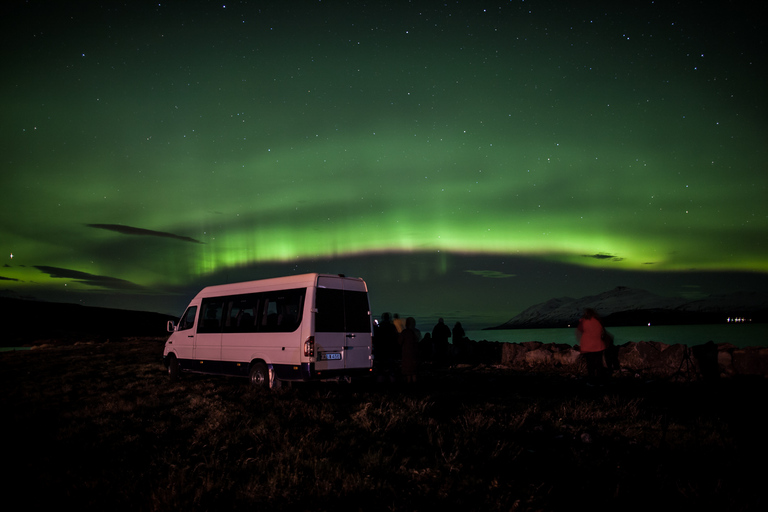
[(208, 338), (342, 324), (184, 337), (357, 322)]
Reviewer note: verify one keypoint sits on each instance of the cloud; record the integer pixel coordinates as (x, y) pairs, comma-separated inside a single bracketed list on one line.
[(603, 256), (7, 279), (492, 274), (129, 230), (89, 279)]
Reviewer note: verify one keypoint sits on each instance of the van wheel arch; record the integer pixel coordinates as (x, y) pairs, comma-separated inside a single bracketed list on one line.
[(259, 374), (263, 377)]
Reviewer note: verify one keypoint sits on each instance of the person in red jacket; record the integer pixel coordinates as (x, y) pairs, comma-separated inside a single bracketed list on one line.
[(591, 344)]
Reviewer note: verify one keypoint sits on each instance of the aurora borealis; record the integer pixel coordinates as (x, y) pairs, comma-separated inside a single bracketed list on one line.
[(467, 159)]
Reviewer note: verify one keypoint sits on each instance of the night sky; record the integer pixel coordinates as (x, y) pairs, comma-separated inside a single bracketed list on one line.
[(468, 159)]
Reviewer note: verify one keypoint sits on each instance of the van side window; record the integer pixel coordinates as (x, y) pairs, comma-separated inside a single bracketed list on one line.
[(281, 311), (242, 313), (210, 316), (188, 320)]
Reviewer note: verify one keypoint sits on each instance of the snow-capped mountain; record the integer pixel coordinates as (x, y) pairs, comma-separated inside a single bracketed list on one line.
[(628, 306)]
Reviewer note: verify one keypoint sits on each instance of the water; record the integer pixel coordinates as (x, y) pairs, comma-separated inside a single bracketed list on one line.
[(739, 335)]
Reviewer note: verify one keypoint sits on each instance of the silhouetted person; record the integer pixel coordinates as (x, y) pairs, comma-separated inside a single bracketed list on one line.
[(426, 348), (706, 356), (440, 335), (458, 332), (611, 353), (460, 342), (386, 348), (591, 345), (409, 342)]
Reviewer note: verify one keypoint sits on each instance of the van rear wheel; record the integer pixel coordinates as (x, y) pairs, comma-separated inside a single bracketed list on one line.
[(259, 375)]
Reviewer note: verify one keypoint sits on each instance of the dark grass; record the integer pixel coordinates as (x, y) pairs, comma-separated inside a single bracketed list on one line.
[(100, 426)]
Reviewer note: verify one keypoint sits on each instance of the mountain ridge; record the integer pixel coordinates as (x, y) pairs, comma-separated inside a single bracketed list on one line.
[(30, 320), (630, 306)]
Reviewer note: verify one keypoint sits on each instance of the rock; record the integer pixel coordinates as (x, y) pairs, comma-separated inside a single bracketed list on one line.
[(652, 355), (531, 345), (630, 356), (750, 361), (672, 358), (509, 353), (708, 361), (567, 356), (539, 357), (725, 362)]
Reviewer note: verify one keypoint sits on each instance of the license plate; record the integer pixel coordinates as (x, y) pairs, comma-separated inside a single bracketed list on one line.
[(332, 355)]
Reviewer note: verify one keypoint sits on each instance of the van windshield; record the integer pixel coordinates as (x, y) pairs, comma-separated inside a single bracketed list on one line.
[(188, 320)]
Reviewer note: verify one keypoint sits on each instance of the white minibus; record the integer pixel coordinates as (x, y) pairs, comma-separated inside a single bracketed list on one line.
[(295, 328)]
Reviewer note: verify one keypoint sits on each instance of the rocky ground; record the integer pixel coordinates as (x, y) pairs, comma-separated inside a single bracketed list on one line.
[(97, 424)]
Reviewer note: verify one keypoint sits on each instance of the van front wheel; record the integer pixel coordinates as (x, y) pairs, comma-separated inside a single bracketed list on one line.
[(173, 368), (259, 375)]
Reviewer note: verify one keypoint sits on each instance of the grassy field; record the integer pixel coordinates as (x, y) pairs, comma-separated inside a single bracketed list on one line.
[(100, 426)]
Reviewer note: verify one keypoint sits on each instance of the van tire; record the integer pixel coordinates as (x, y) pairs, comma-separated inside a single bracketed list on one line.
[(173, 368), (259, 375)]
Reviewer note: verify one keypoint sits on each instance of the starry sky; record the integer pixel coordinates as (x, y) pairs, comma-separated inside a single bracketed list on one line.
[(467, 158)]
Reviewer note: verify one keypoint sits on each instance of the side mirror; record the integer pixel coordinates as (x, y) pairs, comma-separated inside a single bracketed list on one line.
[(170, 327)]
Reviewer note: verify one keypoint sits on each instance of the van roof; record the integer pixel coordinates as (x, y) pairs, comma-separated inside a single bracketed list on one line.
[(267, 284)]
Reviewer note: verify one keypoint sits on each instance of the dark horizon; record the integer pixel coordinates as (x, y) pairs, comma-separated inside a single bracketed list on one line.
[(717, 310)]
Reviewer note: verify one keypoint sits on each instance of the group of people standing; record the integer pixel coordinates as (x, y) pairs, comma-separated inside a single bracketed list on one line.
[(398, 340)]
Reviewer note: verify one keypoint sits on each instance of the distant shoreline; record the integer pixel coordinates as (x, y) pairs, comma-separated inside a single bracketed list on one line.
[(748, 334), (532, 326), (645, 317)]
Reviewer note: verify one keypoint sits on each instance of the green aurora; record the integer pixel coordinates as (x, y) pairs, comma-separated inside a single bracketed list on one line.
[(153, 148)]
